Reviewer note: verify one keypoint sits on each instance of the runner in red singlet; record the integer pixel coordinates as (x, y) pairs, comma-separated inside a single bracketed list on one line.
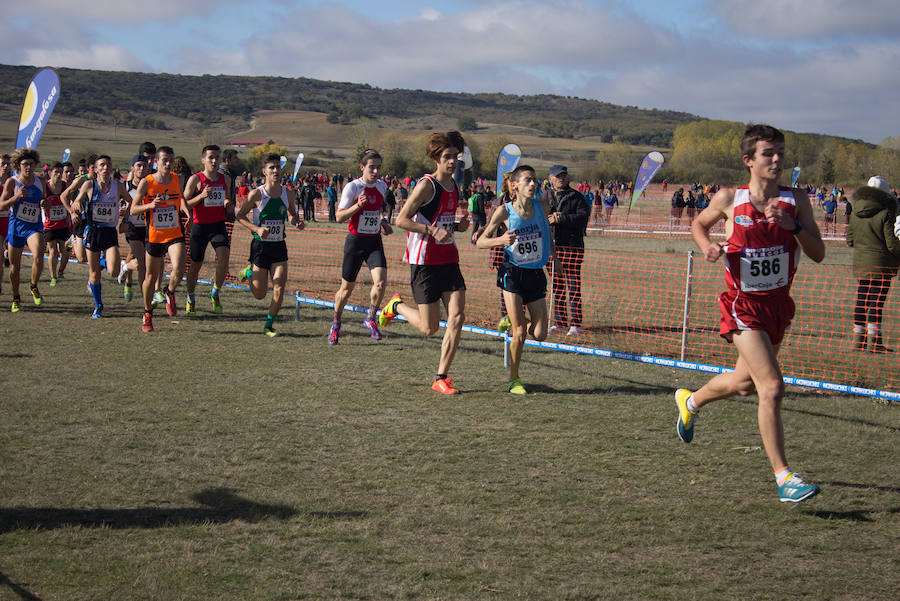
[(429, 217), (766, 228)]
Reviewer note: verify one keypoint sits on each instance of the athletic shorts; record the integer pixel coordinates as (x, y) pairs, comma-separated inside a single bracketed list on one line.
[(136, 233), (158, 249), (530, 284), (20, 241), (57, 233), (359, 249), (266, 254), (771, 314), (429, 282), (206, 233), (98, 239), (78, 230)]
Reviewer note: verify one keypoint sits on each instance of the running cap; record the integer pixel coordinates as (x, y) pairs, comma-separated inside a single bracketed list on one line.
[(876, 181)]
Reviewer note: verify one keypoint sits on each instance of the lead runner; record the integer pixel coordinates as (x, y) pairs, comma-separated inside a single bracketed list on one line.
[(766, 226)]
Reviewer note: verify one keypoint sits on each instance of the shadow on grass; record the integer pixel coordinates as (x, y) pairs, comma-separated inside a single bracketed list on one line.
[(856, 515), (222, 505), (840, 418), (16, 356), (892, 489), (21, 591)]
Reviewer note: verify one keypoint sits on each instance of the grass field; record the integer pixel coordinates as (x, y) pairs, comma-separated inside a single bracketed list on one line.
[(207, 461)]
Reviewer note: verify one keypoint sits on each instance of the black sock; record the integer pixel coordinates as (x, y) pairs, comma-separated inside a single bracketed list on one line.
[(440, 377)]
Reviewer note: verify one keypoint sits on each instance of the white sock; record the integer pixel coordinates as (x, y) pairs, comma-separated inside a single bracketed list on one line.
[(781, 476), (691, 406)]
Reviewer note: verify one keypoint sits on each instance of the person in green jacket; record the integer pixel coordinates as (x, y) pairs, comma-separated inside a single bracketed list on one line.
[(876, 257)]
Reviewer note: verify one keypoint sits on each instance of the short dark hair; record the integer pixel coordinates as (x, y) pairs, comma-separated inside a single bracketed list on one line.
[(165, 150), (753, 133), (516, 173), (56, 165), (69, 165), (272, 158), (228, 154), (209, 147), (103, 156), (147, 148), (90, 159), (367, 155)]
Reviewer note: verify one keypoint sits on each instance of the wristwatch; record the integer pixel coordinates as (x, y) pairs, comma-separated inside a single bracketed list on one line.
[(798, 227)]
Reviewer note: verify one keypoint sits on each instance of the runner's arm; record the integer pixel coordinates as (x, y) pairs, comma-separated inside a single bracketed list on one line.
[(487, 238), (718, 209), (423, 191), (191, 196), (809, 238)]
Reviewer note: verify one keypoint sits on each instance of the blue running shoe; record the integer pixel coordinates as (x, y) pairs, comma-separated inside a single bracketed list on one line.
[(98, 312), (795, 489), (685, 423)]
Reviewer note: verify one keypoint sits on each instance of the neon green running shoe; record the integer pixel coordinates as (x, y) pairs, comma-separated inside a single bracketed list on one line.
[(504, 324), (684, 425), (190, 308), (794, 489), (390, 311), (515, 387), (36, 295), (270, 332), (53, 282), (245, 273), (16, 306), (217, 305)]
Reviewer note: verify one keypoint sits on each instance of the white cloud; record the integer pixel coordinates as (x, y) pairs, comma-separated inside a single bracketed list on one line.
[(113, 11), (830, 19)]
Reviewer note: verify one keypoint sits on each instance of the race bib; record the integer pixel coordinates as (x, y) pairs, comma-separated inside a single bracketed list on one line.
[(447, 221), (526, 249), (276, 230), (104, 213), (764, 268), (369, 222), (57, 213), (139, 220), (165, 218), (28, 211), (216, 197)]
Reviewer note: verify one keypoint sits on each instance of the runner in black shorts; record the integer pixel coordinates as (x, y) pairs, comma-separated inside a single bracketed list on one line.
[(135, 232), (361, 206), (265, 213), (209, 200)]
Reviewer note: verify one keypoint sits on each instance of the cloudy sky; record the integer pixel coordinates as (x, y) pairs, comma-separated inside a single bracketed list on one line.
[(826, 66)]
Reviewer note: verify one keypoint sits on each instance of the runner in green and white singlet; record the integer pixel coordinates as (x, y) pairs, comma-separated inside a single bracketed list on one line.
[(265, 213)]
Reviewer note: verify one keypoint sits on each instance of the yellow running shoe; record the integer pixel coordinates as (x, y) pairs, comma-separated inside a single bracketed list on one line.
[(685, 423), (515, 387), (390, 311)]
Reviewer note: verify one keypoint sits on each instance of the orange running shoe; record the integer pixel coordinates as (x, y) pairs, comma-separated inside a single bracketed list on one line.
[(444, 386)]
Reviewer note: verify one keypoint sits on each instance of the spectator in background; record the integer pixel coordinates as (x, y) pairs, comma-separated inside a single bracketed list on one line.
[(478, 211), (610, 201), (307, 199), (876, 257), (677, 207), (568, 217), (390, 203), (830, 207), (331, 193)]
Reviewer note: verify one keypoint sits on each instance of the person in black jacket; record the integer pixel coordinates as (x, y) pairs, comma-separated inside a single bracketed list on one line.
[(568, 215)]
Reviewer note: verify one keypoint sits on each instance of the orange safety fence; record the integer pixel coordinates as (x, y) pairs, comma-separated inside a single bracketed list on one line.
[(633, 302)]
